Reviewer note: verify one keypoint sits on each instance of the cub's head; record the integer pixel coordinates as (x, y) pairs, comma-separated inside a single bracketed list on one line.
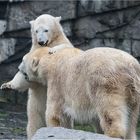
[(45, 29)]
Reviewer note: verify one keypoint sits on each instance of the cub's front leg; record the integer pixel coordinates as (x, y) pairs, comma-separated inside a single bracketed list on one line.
[(17, 83), (36, 109)]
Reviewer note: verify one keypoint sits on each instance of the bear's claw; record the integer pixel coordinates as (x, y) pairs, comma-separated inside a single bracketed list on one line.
[(6, 86), (52, 50)]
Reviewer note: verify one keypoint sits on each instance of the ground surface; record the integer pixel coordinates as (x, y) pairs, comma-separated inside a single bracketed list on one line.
[(13, 125)]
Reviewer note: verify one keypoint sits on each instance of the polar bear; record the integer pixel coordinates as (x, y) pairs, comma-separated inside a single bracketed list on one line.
[(46, 30), (102, 82)]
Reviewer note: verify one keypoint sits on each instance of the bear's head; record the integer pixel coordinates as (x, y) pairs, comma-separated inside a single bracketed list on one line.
[(45, 29), (31, 63)]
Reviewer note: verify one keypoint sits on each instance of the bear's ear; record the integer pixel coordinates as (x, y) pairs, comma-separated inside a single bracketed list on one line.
[(31, 22), (34, 64), (58, 19)]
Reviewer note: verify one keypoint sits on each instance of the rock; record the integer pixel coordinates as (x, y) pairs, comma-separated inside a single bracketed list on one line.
[(67, 27), (3, 25), (122, 44), (119, 18), (7, 48), (124, 24), (63, 133), (7, 72), (19, 34), (3, 9), (136, 48), (133, 29), (86, 7), (88, 27), (109, 25), (89, 44), (121, 24), (16, 0), (21, 48), (21, 14)]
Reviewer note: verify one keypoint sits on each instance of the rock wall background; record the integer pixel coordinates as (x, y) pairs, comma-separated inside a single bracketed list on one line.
[(87, 23)]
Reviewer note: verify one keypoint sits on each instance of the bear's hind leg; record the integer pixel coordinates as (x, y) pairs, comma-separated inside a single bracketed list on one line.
[(114, 116), (131, 133), (98, 128), (52, 114), (67, 121)]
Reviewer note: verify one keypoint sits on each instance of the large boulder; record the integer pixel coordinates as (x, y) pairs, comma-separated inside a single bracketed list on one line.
[(63, 133)]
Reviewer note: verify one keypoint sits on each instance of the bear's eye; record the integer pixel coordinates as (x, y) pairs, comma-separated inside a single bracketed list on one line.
[(36, 31), (46, 30)]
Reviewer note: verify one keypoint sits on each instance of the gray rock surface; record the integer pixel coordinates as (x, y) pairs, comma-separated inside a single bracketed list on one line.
[(136, 48), (55, 133), (7, 48), (87, 7), (87, 27), (21, 14), (3, 25), (67, 27)]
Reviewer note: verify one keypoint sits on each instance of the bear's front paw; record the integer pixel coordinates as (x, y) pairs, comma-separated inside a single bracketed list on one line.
[(52, 50), (6, 86)]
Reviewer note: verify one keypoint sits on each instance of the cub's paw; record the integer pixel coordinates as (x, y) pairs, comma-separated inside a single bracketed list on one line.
[(52, 50), (6, 86)]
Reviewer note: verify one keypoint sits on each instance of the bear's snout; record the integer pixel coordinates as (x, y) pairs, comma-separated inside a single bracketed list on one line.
[(42, 43)]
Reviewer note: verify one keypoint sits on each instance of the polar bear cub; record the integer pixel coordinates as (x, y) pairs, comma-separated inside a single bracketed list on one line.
[(101, 82), (46, 30)]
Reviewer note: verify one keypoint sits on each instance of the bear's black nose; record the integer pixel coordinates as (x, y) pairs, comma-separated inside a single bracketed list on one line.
[(41, 43)]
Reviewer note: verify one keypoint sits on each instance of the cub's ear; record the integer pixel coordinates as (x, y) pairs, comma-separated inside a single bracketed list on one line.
[(58, 19), (31, 22), (34, 64), (21, 67)]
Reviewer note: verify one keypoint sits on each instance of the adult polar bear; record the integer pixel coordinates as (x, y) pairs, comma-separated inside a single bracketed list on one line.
[(46, 31), (101, 82)]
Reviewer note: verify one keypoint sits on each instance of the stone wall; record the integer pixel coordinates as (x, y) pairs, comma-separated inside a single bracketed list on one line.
[(87, 23)]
